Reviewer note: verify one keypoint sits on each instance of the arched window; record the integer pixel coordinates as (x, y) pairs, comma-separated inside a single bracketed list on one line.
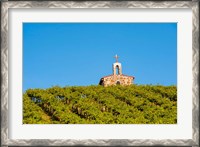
[(118, 83), (117, 70)]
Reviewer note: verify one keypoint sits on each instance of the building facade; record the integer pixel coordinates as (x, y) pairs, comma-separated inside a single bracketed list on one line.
[(117, 78)]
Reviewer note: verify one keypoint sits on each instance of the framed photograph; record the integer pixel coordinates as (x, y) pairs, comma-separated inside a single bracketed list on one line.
[(99, 73)]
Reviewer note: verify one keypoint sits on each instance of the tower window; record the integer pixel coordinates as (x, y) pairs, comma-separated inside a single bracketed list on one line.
[(117, 70)]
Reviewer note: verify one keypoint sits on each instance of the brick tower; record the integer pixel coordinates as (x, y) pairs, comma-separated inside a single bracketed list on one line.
[(117, 77)]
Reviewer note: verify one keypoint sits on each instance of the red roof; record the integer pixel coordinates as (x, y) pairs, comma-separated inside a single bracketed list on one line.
[(122, 75)]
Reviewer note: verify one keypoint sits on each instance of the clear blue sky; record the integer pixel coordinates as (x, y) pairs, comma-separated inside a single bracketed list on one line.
[(69, 54)]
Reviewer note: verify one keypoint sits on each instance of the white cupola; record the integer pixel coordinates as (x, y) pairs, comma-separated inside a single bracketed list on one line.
[(117, 67)]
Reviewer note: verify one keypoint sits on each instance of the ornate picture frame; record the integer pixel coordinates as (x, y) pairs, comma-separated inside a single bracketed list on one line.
[(6, 5)]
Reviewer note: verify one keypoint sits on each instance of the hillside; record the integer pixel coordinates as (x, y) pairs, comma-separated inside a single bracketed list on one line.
[(134, 104)]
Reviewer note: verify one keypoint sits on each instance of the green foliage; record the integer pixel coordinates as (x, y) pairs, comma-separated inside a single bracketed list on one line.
[(135, 104), (33, 114)]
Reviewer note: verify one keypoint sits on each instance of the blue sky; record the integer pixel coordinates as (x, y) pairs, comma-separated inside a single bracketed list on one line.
[(79, 54)]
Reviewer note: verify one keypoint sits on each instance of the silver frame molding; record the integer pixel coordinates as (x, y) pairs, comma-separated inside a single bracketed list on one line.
[(5, 141)]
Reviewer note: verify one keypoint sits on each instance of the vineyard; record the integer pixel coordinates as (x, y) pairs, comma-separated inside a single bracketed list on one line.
[(135, 104)]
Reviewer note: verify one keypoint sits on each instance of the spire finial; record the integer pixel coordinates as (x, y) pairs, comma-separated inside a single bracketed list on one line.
[(116, 57)]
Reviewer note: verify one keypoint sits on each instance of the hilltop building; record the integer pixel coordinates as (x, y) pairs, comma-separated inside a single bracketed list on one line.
[(117, 78)]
